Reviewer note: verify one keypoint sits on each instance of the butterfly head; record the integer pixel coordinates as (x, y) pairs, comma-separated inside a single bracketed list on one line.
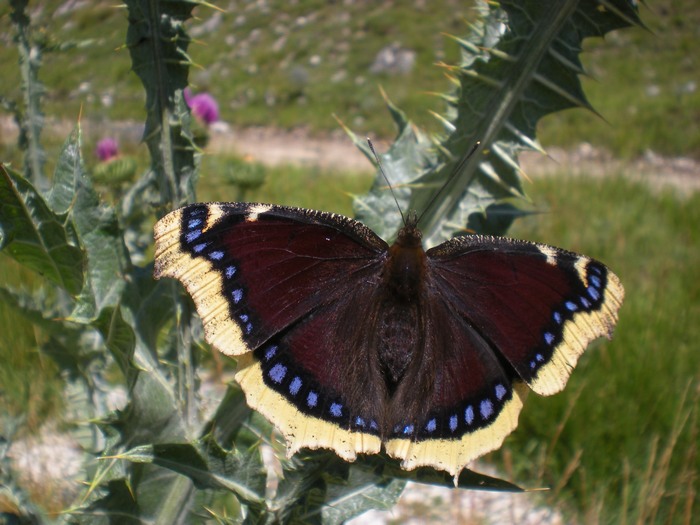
[(410, 236)]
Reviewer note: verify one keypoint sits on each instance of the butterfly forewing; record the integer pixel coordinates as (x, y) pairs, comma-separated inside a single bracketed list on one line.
[(537, 306), (255, 269)]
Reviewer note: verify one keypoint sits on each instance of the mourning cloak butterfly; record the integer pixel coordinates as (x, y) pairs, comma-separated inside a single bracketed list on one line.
[(347, 343)]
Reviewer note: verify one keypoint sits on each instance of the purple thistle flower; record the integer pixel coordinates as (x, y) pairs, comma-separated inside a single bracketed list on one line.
[(203, 107), (107, 149)]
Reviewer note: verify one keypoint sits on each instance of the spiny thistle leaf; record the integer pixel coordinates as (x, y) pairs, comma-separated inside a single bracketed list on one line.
[(208, 466), (362, 491), (97, 228), (158, 43), (35, 236), (519, 64), (410, 155)]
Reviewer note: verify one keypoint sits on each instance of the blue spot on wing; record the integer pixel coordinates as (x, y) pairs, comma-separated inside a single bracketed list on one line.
[(336, 409), (295, 386), (312, 399), (277, 373), (192, 236), (486, 409), (453, 423), (593, 293), (270, 352), (469, 415), (500, 392), (198, 248)]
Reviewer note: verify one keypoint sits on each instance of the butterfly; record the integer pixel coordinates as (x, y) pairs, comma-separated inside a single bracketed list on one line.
[(346, 343)]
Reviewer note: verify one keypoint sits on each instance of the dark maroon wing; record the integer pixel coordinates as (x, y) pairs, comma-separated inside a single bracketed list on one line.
[(535, 305), (499, 314), (254, 270), (275, 285)]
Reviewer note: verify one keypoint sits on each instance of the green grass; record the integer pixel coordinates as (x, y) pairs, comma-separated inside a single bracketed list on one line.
[(30, 388), (306, 187), (627, 396), (295, 66)]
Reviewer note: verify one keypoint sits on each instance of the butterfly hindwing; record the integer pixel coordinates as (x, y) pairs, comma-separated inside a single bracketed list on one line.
[(469, 402), (332, 388)]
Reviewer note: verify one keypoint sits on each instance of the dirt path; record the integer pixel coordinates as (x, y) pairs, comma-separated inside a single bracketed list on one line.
[(335, 151), (276, 147)]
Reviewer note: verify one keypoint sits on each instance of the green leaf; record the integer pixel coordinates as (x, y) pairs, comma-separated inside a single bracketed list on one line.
[(468, 479), (361, 492), (230, 420), (153, 304), (36, 236), (68, 176), (97, 228), (116, 504), (158, 42), (496, 219), (409, 156), (519, 64), (386, 468), (118, 336), (208, 466)]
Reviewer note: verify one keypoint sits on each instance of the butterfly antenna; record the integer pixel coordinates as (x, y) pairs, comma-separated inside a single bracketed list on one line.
[(381, 169), (454, 173)]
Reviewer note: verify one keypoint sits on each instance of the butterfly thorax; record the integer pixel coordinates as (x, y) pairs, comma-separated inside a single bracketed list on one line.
[(405, 268)]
